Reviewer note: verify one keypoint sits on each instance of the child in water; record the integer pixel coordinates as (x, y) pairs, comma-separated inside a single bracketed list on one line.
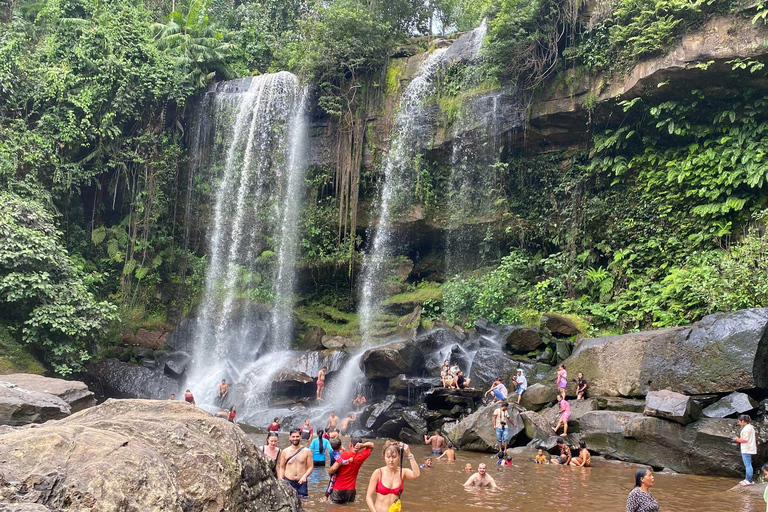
[(504, 460), (427, 462), (540, 457), (468, 467), (335, 454)]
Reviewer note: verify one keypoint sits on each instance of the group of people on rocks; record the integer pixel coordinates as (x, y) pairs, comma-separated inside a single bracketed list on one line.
[(221, 399), (453, 378)]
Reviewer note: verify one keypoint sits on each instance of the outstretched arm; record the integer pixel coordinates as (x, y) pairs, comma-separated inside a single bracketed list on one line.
[(470, 481)]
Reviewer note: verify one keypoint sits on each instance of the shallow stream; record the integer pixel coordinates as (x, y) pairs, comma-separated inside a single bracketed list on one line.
[(530, 487)]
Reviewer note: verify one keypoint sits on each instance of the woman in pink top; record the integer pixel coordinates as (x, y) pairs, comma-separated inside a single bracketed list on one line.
[(565, 413), (562, 380)]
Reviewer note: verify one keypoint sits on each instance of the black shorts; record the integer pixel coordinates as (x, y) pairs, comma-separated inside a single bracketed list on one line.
[(343, 496), (301, 489), (318, 463)]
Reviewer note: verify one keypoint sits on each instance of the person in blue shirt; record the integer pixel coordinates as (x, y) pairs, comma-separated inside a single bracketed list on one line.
[(320, 449)]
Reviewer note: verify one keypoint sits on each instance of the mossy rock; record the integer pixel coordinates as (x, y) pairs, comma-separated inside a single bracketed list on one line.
[(15, 357)]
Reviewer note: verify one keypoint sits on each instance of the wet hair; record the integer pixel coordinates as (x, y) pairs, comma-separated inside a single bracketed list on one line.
[(187, 391), (560, 440), (582, 445), (427, 458), (391, 446), (232, 409), (355, 440), (745, 418), (276, 420), (500, 455), (336, 444), (639, 475), (294, 431), (271, 433), (320, 440), (450, 444), (223, 380)]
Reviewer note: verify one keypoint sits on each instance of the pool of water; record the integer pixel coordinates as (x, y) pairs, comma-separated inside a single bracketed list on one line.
[(526, 486)]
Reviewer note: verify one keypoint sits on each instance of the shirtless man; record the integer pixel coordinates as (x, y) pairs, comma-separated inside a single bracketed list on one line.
[(333, 422), (481, 478), (346, 421), (321, 382), (437, 441), (223, 391), (449, 453), (295, 464), (359, 400)]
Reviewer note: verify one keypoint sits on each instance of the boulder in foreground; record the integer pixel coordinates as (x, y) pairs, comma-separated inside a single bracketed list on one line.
[(76, 394), (140, 455)]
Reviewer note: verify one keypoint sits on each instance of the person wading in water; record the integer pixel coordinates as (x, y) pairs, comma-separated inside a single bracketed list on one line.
[(481, 478), (386, 484), (437, 441), (272, 451), (346, 468), (295, 464)]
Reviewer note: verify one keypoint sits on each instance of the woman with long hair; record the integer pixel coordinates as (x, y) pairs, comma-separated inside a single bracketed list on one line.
[(640, 498), (386, 484), (271, 451)]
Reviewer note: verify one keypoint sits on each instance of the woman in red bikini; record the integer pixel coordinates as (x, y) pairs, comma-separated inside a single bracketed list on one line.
[(386, 484)]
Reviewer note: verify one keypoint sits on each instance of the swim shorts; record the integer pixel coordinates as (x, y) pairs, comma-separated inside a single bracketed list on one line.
[(347, 496), (437, 452), (301, 489), (502, 435), (499, 396)]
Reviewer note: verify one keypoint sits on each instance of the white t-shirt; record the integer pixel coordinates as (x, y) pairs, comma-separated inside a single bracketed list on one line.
[(748, 434)]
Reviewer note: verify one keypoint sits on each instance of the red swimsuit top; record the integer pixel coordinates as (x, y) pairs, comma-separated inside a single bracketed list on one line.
[(386, 490)]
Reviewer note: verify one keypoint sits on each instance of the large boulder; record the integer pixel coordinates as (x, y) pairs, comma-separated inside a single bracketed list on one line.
[(76, 394), (731, 405), (446, 399), (19, 406), (117, 379), (476, 433), (337, 342), (487, 365), (311, 362), (313, 339), (175, 364), (140, 455), (292, 384), (559, 324), (536, 426), (673, 406), (721, 353), (617, 403), (703, 447), (523, 339), (537, 396), (381, 412), (392, 359)]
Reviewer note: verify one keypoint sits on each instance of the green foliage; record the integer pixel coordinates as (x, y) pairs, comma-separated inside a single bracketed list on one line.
[(42, 293), (15, 358)]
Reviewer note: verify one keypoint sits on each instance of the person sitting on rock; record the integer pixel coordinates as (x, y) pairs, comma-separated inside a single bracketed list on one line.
[(584, 459), (446, 376), (228, 415), (481, 478), (462, 382), (223, 391), (565, 453), (499, 391), (581, 387), (189, 397)]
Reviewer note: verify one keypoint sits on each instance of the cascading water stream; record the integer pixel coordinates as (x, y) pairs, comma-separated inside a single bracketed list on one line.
[(408, 135), (261, 132)]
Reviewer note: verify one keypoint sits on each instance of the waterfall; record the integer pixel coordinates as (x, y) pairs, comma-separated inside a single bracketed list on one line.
[(256, 153), (410, 132)]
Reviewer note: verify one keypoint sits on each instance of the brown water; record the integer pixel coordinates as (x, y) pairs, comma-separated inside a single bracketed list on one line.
[(526, 486)]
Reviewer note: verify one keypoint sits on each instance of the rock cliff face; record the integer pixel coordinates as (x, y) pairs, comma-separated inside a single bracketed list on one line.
[(139, 455)]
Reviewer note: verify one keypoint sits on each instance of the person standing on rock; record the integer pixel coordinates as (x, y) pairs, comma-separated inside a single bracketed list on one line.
[(562, 380), (500, 420), (295, 464), (565, 414), (640, 498), (521, 384), (748, 444), (321, 382), (189, 397), (223, 392), (346, 468), (581, 387), (437, 441), (481, 478)]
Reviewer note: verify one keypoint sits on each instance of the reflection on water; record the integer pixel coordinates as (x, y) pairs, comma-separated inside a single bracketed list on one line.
[(530, 487)]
